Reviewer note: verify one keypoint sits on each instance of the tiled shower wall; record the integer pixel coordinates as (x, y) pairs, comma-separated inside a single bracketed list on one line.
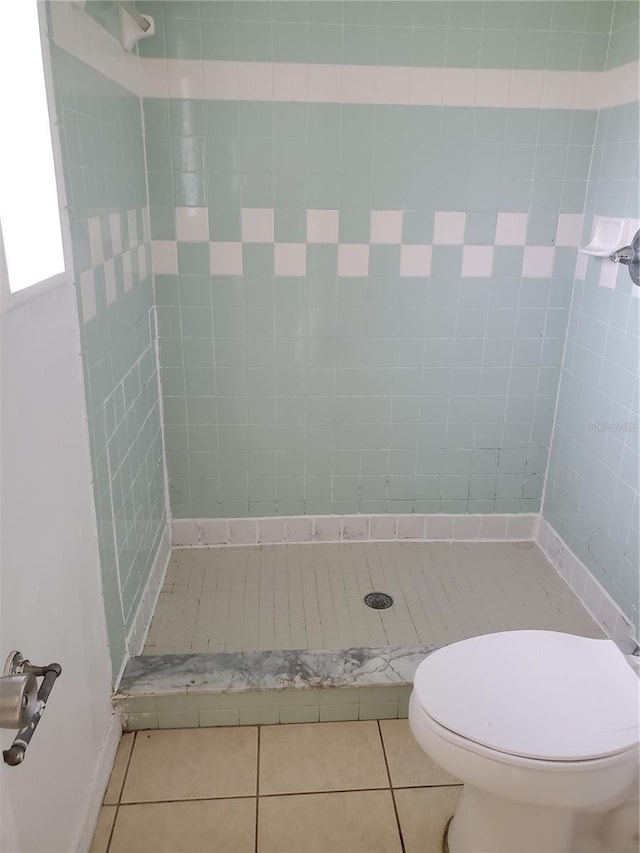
[(533, 34), (623, 44), (592, 492), (363, 304), (100, 127)]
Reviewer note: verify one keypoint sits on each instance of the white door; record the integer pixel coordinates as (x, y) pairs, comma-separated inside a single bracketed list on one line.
[(50, 595)]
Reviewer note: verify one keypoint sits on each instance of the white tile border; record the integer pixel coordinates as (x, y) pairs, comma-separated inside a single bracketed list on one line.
[(142, 620), (208, 533), (84, 38), (578, 577), (372, 84)]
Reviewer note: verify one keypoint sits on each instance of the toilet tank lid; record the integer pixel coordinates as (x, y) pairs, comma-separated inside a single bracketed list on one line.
[(537, 694)]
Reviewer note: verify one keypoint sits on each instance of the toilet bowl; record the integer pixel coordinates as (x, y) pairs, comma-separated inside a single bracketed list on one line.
[(538, 725)]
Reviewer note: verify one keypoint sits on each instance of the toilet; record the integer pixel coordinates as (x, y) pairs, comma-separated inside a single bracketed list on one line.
[(540, 726)]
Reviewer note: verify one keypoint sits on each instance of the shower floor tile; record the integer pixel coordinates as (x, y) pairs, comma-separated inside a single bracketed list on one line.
[(275, 597)]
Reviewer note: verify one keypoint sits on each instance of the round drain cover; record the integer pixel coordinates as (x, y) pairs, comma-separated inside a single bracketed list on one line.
[(378, 600)]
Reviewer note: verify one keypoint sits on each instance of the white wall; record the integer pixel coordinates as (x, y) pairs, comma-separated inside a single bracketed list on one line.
[(50, 595)]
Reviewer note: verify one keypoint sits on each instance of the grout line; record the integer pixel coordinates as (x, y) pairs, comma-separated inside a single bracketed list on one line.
[(113, 827), (561, 377), (126, 770), (393, 796), (271, 796), (327, 791), (190, 800), (284, 794), (611, 31), (124, 779), (287, 793), (257, 787), (416, 787)]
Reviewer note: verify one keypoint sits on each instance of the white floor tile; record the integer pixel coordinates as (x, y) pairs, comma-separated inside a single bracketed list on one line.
[(311, 596)]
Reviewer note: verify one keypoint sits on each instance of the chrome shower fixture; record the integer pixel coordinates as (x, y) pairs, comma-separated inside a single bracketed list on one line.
[(630, 257)]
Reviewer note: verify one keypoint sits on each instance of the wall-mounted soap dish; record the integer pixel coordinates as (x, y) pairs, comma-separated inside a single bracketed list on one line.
[(133, 25), (607, 235)]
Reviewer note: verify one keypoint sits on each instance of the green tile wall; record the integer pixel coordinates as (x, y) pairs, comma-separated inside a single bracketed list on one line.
[(334, 395), (103, 162), (325, 394), (105, 13), (536, 34), (592, 491), (625, 34)]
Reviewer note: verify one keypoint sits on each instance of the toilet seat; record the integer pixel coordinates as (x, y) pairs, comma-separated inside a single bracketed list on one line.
[(515, 762), (535, 694)]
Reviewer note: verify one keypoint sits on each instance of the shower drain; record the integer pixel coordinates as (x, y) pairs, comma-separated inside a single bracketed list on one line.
[(378, 600)]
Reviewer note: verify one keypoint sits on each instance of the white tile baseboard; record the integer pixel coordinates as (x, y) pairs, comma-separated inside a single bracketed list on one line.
[(206, 533), (140, 627), (578, 577)]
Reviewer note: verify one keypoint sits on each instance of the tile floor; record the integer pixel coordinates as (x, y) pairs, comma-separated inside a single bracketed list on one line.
[(310, 596), (353, 787)]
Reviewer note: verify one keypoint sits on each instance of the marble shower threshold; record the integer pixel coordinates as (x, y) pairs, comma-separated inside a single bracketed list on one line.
[(249, 688)]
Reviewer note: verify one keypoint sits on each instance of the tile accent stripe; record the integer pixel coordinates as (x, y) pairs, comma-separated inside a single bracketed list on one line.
[(85, 39), (412, 260), (123, 254), (370, 84)]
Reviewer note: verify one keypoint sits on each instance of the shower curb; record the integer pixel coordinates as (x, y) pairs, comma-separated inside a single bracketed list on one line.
[(250, 688)]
